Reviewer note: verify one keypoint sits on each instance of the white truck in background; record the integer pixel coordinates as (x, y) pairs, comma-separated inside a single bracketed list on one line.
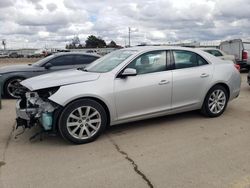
[(240, 49)]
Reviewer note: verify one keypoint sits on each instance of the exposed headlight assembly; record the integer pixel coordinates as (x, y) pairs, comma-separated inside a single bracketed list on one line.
[(46, 93)]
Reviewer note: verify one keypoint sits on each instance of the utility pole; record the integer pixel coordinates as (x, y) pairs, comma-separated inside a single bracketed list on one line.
[(4, 44), (129, 31)]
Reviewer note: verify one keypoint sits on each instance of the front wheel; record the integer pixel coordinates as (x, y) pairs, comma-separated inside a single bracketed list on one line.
[(82, 121), (215, 102)]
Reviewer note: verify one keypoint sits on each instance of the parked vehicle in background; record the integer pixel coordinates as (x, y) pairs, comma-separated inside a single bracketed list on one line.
[(4, 55), (219, 53), (222, 55), (15, 55), (127, 85), (37, 54), (91, 51), (11, 76), (240, 49)]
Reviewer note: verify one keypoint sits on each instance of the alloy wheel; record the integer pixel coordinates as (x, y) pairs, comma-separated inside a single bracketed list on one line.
[(83, 122), (217, 101)]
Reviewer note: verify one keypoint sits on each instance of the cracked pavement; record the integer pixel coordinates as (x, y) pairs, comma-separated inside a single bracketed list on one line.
[(184, 150), (135, 166)]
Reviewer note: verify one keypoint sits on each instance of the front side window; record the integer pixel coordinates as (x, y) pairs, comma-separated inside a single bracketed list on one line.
[(187, 59), (62, 60), (43, 61), (149, 62)]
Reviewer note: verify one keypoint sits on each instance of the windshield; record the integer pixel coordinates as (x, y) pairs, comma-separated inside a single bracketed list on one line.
[(110, 61), (246, 46), (42, 61)]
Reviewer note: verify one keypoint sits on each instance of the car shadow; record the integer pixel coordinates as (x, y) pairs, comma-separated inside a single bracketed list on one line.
[(155, 122), (244, 71), (116, 130)]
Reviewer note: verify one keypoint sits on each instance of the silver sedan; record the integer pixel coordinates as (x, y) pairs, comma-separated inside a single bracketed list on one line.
[(128, 85)]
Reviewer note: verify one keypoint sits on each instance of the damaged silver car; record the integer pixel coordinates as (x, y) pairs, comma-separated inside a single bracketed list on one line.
[(124, 86)]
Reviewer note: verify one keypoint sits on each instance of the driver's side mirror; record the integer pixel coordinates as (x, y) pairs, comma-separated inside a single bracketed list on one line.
[(129, 72), (48, 66)]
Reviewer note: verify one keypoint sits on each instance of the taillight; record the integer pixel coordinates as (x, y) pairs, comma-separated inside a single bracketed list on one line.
[(237, 67), (244, 55)]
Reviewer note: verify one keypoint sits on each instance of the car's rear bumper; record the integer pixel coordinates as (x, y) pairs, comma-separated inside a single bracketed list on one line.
[(243, 64)]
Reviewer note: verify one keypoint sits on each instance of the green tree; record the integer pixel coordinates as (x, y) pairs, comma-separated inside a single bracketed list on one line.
[(71, 46), (95, 42), (80, 46), (112, 44)]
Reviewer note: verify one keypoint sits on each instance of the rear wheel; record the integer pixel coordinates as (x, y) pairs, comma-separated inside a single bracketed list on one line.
[(82, 121), (215, 102), (12, 87)]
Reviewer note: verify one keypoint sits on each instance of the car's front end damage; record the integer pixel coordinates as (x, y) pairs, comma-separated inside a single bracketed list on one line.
[(35, 108)]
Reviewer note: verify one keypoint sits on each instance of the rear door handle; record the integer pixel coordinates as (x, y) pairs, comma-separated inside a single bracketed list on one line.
[(204, 75), (163, 82)]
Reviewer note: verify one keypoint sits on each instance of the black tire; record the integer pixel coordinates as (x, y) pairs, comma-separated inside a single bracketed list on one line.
[(205, 110), (7, 92), (72, 108)]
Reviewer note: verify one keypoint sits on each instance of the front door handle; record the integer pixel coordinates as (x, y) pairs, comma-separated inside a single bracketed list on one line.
[(204, 75), (163, 82)]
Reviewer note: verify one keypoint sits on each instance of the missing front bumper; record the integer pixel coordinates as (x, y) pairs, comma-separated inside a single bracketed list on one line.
[(25, 116), (34, 111)]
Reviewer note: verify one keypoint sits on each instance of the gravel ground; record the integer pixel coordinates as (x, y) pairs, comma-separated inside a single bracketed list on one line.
[(14, 61)]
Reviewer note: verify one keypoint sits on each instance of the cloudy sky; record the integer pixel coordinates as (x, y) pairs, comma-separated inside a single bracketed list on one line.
[(39, 23)]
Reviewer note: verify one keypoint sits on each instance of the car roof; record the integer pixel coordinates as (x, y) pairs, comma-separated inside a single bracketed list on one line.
[(209, 49), (149, 48), (144, 49), (75, 53)]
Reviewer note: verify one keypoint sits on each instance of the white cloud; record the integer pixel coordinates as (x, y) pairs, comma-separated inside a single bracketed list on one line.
[(157, 35), (51, 7), (158, 21), (43, 34)]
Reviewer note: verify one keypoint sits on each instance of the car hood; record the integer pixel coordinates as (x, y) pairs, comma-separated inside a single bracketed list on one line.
[(59, 78), (227, 57), (16, 68)]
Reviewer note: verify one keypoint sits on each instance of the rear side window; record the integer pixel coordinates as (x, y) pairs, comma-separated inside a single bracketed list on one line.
[(246, 46), (62, 60), (201, 61), (84, 59), (186, 59)]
